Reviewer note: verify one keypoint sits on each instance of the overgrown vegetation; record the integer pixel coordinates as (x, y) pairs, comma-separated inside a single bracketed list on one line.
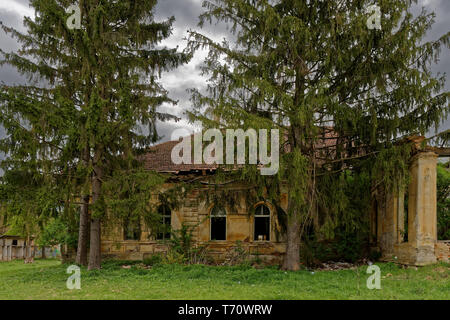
[(340, 93), (343, 96), (78, 130), (443, 201), (343, 220), (46, 279)]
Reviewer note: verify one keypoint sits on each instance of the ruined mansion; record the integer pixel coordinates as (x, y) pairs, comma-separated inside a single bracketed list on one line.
[(219, 228)]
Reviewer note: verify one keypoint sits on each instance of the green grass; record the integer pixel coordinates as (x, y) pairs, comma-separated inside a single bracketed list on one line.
[(46, 279)]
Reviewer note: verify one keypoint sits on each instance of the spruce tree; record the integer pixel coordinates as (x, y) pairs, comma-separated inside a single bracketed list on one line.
[(100, 88), (343, 91)]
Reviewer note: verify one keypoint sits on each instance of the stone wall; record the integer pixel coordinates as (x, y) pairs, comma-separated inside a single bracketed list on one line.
[(442, 251)]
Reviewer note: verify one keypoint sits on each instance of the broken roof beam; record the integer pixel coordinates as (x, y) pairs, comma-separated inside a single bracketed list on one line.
[(441, 152)]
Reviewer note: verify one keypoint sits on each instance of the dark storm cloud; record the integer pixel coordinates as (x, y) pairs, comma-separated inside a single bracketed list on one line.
[(178, 81), (441, 26), (165, 130), (8, 74), (186, 13), (10, 19)]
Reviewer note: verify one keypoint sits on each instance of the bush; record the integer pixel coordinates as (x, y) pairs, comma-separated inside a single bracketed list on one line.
[(182, 249), (153, 260)]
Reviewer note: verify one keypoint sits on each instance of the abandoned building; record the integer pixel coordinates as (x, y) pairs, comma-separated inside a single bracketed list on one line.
[(14, 247), (220, 227)]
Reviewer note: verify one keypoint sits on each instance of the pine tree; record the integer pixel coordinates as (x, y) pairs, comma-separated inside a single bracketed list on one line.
[(318, 71), (101, 88)]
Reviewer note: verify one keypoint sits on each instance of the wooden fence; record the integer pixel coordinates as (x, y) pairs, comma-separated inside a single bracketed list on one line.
[(10, 252)]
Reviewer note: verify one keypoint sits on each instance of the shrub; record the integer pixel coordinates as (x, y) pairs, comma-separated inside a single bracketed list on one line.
[(153, 260)]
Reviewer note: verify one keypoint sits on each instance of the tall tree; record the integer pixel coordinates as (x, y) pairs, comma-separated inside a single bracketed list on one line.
[(102, 89), (343, 91)]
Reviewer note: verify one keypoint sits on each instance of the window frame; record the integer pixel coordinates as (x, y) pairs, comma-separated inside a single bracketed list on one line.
[(164, 217), (256, 216), (211, 216)]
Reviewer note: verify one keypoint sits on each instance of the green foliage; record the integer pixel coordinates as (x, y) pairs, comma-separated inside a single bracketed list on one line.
[(344, 211), (153, 260), (127, 197), (443, 201), (47, 279), (391, 167), (81, 124), (56, 232), (345, 206), (182, 249), (298, 177), (343, 96), (31, 201)]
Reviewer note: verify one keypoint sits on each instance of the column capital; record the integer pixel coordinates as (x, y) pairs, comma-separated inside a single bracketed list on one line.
[(423, 155)]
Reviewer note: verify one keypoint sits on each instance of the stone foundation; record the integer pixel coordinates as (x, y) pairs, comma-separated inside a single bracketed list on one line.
[(442, 251), (216, 251)]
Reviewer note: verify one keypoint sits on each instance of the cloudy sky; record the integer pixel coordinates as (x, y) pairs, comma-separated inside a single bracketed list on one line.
[(186, 13)]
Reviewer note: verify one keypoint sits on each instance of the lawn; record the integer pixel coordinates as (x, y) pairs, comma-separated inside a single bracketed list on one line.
[(46, 279)]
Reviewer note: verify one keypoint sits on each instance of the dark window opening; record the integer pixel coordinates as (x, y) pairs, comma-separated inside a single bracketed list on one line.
[(14, 242), (132, 229), (166, 222), (218, 224), (262, 223)]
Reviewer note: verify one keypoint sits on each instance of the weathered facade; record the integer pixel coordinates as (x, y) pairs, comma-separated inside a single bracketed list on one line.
[(219, 229), (14, 247), (258, 233), (406, 230)]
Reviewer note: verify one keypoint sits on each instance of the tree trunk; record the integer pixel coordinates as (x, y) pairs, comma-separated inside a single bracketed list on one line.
[(95, 245), (63, 252), (292, 257), (43, 253), (95, 240), (83, 233)]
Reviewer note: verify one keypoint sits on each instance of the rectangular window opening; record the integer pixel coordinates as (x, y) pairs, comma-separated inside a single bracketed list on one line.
[(218, 228), (262, 228)]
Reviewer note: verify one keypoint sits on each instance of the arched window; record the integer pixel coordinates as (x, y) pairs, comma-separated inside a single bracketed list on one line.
[(166, 221), (218, 223), (262, 223)]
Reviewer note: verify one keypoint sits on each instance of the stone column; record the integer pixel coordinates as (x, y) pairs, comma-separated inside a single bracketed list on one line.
[(422, 219)]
